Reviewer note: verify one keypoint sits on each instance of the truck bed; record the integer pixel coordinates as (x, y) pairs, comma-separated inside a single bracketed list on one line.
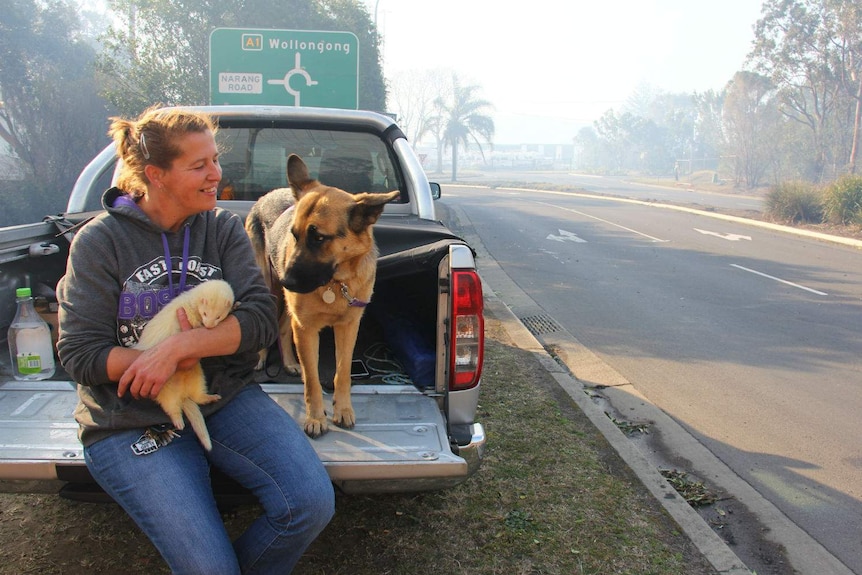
[(399, 440)]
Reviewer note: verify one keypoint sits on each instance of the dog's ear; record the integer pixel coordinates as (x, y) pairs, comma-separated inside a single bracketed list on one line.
[(368, 208), (297, 175)]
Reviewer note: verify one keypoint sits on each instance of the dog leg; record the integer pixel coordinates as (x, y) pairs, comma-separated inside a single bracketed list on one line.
[(285, 335), (308, 346), (261, 359), (345, 341)]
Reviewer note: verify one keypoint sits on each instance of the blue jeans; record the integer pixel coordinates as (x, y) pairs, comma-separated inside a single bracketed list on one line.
[(169, 495)]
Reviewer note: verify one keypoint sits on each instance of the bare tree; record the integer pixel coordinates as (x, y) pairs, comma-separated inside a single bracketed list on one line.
[(412, 97), (416, 96)]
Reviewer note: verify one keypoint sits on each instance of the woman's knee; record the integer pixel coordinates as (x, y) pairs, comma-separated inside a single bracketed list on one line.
[(315, 515), (310, 511), (323, 507)]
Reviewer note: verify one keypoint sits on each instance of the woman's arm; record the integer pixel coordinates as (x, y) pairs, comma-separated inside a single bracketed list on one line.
[(88, 295), (145, 373)]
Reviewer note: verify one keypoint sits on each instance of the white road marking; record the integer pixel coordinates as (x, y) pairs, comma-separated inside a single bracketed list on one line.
[(601, 220), (731, 237), (566, 237), (779, 280)]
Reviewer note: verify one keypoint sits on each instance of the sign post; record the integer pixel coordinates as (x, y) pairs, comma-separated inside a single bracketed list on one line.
[(284, 67)]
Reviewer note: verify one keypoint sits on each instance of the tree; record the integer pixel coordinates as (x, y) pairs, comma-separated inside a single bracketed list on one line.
[(655, 130), (633, 142), (159, 52), (51, 117), (749, 118), (464, 120), (640, 101), (353, 16), (677, 114), (417, 98), (413, 95), (796, 47), (849, 35), (709, 140), (586, 149)]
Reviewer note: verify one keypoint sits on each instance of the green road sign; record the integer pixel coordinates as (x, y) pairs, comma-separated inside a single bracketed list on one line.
[(284, 67)]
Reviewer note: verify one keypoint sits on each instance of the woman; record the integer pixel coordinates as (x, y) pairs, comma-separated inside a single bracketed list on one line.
[(162, 234)]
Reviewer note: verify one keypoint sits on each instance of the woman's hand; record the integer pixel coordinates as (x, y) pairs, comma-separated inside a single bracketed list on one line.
[(147, 374)]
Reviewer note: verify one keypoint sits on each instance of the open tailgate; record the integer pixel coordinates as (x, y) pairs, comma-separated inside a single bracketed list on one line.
[(399, 442)]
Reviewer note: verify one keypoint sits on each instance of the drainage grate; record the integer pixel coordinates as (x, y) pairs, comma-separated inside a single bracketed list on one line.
[(539, 324)]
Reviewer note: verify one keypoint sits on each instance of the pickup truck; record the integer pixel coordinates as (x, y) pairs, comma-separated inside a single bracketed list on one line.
[(418, 360)]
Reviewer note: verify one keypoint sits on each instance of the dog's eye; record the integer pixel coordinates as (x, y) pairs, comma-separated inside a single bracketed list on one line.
[(314, 236)]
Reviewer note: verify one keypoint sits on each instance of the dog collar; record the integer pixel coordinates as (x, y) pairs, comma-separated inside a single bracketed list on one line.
[(351, 301)]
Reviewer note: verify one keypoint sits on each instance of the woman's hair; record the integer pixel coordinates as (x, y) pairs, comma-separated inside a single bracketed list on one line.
[(153, 139)]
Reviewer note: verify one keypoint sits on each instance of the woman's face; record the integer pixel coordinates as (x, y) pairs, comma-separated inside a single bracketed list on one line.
[(191, 183)]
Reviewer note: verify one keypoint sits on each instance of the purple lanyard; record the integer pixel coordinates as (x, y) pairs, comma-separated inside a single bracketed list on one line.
[(183, 265)]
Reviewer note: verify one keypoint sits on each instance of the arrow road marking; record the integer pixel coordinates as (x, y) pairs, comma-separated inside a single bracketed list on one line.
[(566, 237), (600, 220), (778, 279), (731, 237)]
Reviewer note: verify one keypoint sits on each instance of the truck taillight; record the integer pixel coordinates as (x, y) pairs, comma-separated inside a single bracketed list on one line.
[(468, 330)]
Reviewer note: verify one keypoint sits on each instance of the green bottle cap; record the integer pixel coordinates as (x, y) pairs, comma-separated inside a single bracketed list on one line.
[(23, 292)]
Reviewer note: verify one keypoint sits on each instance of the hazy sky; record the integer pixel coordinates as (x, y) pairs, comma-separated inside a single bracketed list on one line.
[(551, 66)]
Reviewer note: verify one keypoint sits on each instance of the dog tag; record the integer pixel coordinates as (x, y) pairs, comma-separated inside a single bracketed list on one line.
[(328, 296)]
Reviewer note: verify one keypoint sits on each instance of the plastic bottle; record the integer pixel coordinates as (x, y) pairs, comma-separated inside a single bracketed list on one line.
[(30, 341)]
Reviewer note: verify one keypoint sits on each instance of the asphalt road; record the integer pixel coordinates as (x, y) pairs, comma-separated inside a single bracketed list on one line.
[(647, 189), (748, 337)]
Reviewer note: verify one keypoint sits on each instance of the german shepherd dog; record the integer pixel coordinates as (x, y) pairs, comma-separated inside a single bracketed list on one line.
[(315, 246)]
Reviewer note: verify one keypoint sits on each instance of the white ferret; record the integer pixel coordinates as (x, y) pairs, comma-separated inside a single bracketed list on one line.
[(207, 304)]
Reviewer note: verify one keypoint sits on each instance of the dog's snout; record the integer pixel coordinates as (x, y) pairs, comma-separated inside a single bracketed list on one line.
[(306, 277)]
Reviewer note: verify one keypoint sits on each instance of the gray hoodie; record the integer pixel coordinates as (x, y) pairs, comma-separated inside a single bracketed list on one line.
[(117, 279)]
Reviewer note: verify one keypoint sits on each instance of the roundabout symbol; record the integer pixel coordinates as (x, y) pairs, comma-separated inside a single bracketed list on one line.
[(297, 69)]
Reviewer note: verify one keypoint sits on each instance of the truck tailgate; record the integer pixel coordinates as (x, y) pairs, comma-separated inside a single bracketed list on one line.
[(399, 442)]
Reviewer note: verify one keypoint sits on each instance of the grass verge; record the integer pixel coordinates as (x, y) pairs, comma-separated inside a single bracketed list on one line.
[(551, 498)]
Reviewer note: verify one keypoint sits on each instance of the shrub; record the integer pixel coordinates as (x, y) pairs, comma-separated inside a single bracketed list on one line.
[(795, 202), (843, 200)]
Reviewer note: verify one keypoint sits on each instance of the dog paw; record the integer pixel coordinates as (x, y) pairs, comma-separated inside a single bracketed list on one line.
[(315, 427), (295, 370), (344, 418), (261, 360)]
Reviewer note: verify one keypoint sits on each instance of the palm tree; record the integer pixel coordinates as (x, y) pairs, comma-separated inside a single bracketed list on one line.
[(463, 120)]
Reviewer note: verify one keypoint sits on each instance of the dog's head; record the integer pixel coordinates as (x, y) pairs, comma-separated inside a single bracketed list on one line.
[(331, 229)]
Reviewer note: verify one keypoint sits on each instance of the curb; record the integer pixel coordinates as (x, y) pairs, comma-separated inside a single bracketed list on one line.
[(713, 548)]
